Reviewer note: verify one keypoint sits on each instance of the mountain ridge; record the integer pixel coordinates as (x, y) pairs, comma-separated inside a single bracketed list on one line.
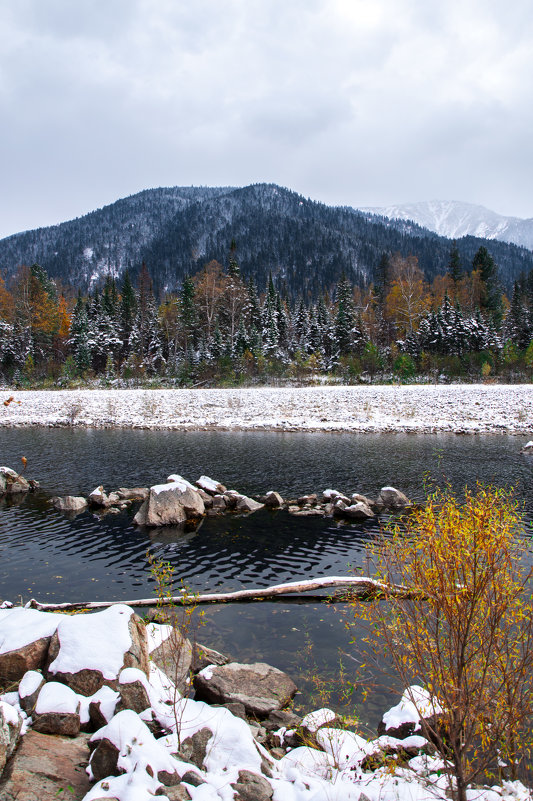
[(455, 219), (306, 245)]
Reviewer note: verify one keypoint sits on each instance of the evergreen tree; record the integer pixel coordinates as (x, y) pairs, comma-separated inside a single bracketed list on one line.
[(491, 296), (455, 270)]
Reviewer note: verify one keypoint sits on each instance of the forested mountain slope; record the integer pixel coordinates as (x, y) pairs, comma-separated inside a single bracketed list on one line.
[(306, 245)]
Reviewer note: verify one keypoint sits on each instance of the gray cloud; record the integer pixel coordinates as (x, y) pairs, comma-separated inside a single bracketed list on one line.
[(360, 102)]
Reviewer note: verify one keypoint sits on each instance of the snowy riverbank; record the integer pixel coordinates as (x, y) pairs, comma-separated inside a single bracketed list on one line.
[(460, 408)]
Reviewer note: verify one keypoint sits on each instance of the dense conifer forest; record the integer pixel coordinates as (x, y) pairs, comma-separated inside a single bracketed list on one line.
[(222, 328)]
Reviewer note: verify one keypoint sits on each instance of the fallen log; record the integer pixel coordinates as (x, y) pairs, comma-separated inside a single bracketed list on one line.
[(362, 588)]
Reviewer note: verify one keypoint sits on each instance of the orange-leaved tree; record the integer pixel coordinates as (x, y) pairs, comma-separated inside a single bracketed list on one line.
[(467, 634)]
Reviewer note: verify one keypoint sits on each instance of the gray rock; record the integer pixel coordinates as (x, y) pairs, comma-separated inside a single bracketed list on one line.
[(170, 504), (11, 483), (391, 498), (273, 500), (98, 497), (309, 511), (9, 735), (104, 759), (252, 787), (261, 688), (204, 656), (177, 793), (194, 748), (133, 696), (219, 503), (282, 718), (358, 511), (307, 499), (210, 486), (193, 778), (358, 498), (14, 664), (174, 657), (69, 503), (27, 702), (245, 504), (66, 724)]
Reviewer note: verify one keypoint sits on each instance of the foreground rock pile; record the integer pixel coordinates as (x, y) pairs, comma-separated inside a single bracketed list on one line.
[(98, 706)]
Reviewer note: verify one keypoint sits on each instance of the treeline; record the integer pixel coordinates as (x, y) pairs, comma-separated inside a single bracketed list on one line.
[(220, 328)]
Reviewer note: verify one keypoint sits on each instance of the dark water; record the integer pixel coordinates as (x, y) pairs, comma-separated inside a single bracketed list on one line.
[(46, 556)]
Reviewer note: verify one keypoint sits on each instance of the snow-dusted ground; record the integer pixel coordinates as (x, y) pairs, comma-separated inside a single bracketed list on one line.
[(464, 408)]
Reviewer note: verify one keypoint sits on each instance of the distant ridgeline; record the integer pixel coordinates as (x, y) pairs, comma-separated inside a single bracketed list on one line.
[(306, 246)]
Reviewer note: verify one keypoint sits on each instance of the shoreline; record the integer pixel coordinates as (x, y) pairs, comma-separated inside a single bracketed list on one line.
[(416, 409)]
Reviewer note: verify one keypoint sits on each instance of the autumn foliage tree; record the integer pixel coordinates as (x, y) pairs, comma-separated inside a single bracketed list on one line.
[(467, 635), (408, 298)]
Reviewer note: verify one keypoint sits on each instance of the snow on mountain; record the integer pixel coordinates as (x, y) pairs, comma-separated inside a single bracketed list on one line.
[(455, 219)]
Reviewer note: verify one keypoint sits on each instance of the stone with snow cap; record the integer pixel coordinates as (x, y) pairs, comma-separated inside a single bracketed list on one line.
[(89, 651), (273, 500), (245, 504), (358, 511), (261, 688), (126, 744), (12, 483), (10, 726), (57, 710), (405, 718), (29, 689), (391, 498), (172, 503), (210, 485), (24, 641)]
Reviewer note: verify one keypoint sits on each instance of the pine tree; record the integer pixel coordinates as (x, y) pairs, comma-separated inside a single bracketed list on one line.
[(491, 296), (454, 265)]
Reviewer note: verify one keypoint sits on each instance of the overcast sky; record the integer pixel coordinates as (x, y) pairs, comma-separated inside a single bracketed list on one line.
[(356, 102)]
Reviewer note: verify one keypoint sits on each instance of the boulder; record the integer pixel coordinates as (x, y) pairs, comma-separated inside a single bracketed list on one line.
[(210, 486), (69, 503), (170, 504), (194, 748), (43, 766), (27, 634), (10, 726), (252, 787), (404, 719), (273, 500), (89, 651), (102, 707), (177, 793), (358, 511), (29, 689), (219, 503), (331, 495), (134, 690), (11, 483), (358, 498), (261, 688), (202, 656), (57, 710), (125, 742), (391, 498), (245, 504), (98, 497), (307, 499), (309, 511)]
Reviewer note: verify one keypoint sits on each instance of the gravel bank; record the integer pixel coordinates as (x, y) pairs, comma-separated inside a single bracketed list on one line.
[(468, 409)]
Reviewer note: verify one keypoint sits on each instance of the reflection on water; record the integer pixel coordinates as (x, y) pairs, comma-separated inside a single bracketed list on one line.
[(46, 555)]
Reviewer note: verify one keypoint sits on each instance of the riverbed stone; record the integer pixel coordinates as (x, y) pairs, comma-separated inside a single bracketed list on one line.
[(261, 688), (170, 504), (273, 500), (29, 689), (12, 483), (133, 494), (210, 486), (358, 511), (43, 766), (245, 504), (391, 498), (24, 626), (69, 503)]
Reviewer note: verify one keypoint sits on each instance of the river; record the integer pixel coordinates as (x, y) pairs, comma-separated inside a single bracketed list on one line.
[(46, 556)]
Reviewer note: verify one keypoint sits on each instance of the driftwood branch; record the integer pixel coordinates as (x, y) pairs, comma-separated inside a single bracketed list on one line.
[(354, 587)]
